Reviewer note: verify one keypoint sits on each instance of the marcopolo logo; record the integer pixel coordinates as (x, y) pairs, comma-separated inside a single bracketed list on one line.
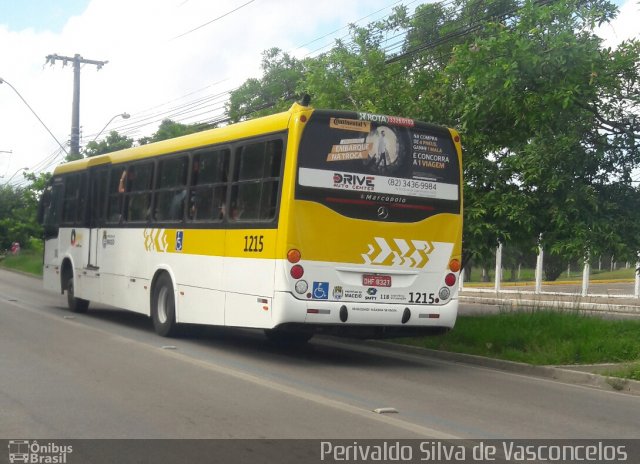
[(38, 453), (353, 182)]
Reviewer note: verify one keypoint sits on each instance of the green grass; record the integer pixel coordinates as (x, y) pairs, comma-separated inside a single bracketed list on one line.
[(540, 337), (630, 371), (612, 275), (528, 275), (29, 261)]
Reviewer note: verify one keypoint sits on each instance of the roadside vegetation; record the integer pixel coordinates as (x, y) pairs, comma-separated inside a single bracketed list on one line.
[(541, 337), (29, 260), (528, 276), (629, 371)]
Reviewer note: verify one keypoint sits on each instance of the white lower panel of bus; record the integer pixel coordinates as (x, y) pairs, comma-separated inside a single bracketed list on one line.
[(287, 309), (200, 305)]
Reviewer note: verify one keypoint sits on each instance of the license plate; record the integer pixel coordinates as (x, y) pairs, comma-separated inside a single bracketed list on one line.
[(376, 280)]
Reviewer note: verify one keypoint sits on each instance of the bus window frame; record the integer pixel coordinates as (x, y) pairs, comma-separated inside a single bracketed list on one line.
[(156, 190), (186, 222), (192, 188), (239, 147)]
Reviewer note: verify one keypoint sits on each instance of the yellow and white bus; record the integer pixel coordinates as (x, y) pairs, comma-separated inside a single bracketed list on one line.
[(307, 221)]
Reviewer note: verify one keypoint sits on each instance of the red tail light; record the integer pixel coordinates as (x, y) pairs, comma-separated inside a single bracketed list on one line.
[(297, 271), (450, 280)]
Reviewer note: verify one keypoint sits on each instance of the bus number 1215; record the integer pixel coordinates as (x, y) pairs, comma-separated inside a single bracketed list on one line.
[(253, 243), (424, 298)]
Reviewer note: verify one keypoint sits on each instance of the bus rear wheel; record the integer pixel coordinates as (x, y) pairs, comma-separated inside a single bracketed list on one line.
[(76, 305), (163, 307)]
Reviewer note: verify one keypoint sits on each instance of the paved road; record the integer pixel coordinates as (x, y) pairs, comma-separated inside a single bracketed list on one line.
[(106, 375)]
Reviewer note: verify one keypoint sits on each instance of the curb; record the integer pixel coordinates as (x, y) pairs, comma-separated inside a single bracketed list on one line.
[(558, 373), (555, 304), (23, 273), (531, 283)]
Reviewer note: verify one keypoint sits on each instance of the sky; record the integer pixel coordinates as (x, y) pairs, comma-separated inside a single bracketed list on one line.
[(166, 58)]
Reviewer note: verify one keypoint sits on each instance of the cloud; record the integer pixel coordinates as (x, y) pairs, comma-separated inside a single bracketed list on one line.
[(147, 64)]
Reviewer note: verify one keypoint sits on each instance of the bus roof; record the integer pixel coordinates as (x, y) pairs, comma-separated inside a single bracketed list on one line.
[(264, 125)]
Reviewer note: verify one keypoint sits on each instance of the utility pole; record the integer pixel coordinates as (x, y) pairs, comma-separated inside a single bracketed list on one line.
[(77, 60)]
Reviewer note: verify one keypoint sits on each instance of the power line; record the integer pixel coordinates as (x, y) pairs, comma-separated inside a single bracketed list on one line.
[(133, 125), (194, 110), (2, 81), (213, 20), (181, 112)]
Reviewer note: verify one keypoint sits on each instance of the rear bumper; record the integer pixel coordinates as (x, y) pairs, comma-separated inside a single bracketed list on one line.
[(362, 319)]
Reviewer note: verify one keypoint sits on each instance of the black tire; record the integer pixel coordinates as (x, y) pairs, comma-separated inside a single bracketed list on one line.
[(76, 305), (281, 337), (163, 307)]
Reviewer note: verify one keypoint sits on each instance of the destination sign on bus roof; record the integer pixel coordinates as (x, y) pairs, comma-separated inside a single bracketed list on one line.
[(383, 119)]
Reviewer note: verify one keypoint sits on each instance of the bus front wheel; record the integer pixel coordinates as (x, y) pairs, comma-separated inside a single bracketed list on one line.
[(76, 305), (163, 307)]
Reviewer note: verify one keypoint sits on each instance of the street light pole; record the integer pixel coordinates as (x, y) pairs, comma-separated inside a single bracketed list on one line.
[(14, 174), (122, 115), (2, 81)]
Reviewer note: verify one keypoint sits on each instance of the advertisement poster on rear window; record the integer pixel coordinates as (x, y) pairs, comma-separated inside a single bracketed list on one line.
[(365, 160)]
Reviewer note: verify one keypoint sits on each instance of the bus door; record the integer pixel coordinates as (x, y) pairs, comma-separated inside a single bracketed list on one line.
[(96, 211)]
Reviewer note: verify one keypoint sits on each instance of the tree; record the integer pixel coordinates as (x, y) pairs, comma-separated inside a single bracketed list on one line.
[(279, 85), (532, 94), (112, 142), (549, 117), (169, 129), (18, 208)]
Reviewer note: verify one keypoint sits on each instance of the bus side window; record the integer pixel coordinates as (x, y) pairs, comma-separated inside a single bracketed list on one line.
[(83, 195), (70, 200), (51, 206), (137, 202), (116, 189), (208, 189), (256, 178), (271, 179), (171, 190)]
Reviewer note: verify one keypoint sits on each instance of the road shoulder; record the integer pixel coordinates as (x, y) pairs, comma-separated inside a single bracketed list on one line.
[(576, 375)]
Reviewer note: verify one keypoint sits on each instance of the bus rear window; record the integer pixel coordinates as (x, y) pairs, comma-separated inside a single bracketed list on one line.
[(378, 167)]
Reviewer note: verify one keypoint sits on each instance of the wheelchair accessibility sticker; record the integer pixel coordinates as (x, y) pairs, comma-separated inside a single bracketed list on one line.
[(179, 239), (320, 290)]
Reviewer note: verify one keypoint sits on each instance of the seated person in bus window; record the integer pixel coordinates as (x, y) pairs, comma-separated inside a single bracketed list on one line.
[(177, 204), (220, 208), (193, 206), (236, 211), (123, 181), (126, 181)]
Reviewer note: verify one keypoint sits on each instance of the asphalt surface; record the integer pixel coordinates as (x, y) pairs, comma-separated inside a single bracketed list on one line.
[(105, 374)]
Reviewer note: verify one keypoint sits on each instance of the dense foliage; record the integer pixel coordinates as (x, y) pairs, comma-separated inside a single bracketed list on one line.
[(18, 208), (549, 116)]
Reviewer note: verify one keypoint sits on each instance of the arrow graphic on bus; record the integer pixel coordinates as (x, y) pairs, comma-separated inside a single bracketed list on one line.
[(398, 252), (155, 240)]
